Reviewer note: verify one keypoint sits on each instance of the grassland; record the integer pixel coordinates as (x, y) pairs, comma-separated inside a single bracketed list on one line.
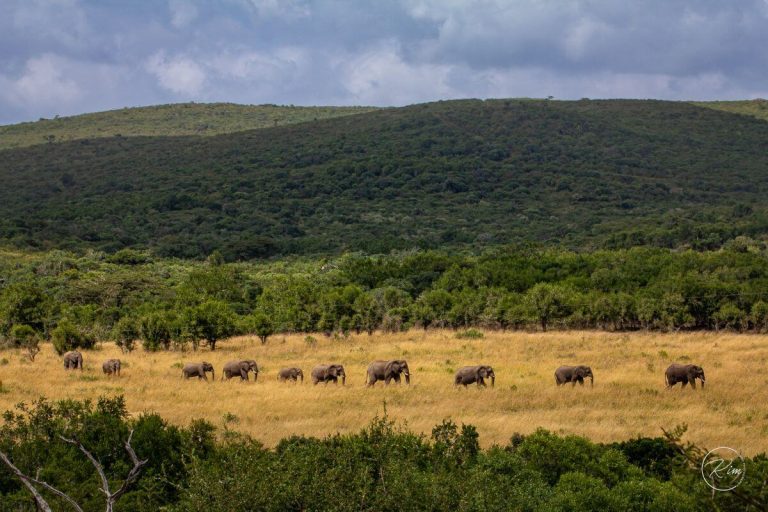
[(628, 398), (165, 120), (756, 108)]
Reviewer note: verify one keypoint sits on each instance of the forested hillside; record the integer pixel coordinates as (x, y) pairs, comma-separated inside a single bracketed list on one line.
[(581, 174), (163, 120)]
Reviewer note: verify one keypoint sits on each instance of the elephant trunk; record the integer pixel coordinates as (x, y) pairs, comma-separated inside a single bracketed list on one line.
[(213, 375), (343, 379), (493, 380), (407, 378), (592, 381), (301, 374)]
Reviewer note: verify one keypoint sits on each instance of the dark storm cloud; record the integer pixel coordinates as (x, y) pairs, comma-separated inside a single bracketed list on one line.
[(70, 56)]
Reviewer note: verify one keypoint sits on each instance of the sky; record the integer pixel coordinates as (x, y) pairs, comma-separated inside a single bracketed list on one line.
[(65, 57)]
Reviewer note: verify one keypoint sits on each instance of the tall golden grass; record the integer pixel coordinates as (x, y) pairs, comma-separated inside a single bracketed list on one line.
[(628, 398)]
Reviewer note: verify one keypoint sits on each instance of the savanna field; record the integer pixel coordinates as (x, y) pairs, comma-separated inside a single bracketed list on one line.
[(628, 399)]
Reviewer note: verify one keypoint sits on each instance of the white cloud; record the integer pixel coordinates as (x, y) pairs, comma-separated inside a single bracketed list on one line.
[(380, 76), (180, 75), (183, 12), (43, 83)]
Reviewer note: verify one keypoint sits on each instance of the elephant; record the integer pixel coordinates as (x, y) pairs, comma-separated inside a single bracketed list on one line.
[(198, 370), (387, 371), (470, 374), (328, 373), (293, 374), (574, 374), (241, 368), (73, 360), (685, 373), (111, 367)]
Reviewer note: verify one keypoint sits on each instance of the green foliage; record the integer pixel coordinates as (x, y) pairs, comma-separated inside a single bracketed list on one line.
[(69, 336), (211, 321), (23, 303), (157, 329), (382, 467), (125, 333), (461, 174), (261, 325)]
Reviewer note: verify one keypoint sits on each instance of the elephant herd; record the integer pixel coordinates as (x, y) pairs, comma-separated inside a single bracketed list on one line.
[(386, 371)]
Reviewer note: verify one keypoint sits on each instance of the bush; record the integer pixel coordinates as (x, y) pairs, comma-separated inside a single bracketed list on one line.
[(68, 336), (125, 333), (470, 334), (25, 337)]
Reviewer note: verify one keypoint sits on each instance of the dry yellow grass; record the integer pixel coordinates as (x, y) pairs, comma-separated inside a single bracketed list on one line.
[(628, 398)]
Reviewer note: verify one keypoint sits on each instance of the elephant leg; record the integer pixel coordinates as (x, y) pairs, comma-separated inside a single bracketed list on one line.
[(685, 383), (693, 383), (243, 375), (581, 381), (573, 383), (397, 378)]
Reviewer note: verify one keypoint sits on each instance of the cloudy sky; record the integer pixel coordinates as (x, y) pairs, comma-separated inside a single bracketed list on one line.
[(72, 56)]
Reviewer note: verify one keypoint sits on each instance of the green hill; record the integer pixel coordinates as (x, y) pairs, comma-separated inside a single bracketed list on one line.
[(581, 174), (176, 119)]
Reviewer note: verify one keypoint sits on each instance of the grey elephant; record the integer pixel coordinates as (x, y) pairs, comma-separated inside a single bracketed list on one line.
[(293, 374), (241, 368), (474, 374), (388, 371), (574, 374), (328, 373), (198, 370), (111, 367), (73, 360), (685, 373)]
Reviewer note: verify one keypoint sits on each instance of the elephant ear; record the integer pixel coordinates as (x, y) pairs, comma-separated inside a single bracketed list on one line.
[(482, 372), (389, 365)]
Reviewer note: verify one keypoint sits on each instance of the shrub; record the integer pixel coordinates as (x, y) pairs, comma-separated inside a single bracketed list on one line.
[(68, 336), (470, 334)]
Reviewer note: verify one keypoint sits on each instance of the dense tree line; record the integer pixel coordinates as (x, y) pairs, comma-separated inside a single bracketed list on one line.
[(76, 301), (383, 467), (577, 174)]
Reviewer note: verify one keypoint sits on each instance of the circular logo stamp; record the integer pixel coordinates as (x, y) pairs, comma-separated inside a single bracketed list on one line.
[(723, 468)]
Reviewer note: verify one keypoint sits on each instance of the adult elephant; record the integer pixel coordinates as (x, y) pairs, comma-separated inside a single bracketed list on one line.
[(73, 360), (474, 374), (329, 373), (293, 374), (111, 367), (241, 368), (198, 370), (574, 374), (685, 373), (388, 371)]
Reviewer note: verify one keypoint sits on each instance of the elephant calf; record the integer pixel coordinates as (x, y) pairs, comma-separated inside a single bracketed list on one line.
[(293, 374), (241, 368), (329, 373), (474, 374), (388, 371), (111, 367), (73, 360), (198, 370), (574, 374), (685, 373)]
